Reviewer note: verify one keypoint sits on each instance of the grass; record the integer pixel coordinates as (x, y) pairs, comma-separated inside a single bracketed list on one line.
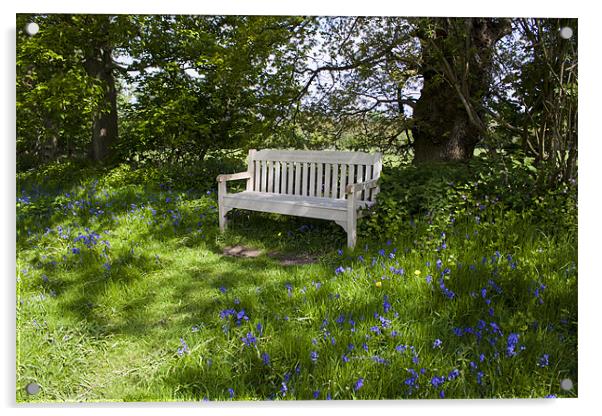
[(123, 294)]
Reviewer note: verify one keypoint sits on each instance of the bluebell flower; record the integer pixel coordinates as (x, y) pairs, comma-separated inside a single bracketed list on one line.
[(313, 356), (339, 270), (543, 361), (184, 347), (511, 344), (439, 263), (415, 359), (400, 348), (265, 357), (316, 394), (358, 384), (551, 396), (386, 304), (328, 396), (442, 394), (429, 279), (437, 343), (437, 381), (365, 346), (75, 250), (375, 329), (249, 339), (345, 358), (283, 389), (480, 377), (453, 374), (340, 252), (231, 392), (341, 319), (381, 252), (379, 360), (259, 328)]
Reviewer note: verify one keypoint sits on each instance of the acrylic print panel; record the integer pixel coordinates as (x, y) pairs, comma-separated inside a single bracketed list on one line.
[(463, 283)]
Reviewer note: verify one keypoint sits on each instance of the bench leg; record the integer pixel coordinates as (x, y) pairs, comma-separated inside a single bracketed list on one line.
[(223, 220), (351, 230), (351, 221), (222, 211)]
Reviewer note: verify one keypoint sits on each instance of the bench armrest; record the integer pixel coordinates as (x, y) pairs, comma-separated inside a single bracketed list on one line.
[(233, 176), (362, 186)]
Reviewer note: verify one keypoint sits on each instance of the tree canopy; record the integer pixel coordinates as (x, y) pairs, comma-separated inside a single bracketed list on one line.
[(164, 88)]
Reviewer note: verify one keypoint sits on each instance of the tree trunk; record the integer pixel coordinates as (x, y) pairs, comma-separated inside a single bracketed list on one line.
[(456, 68), (104, 125)]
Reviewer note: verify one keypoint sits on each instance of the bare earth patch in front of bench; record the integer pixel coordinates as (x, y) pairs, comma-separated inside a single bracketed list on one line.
[(241, 251), (293, 259), (285, 259)]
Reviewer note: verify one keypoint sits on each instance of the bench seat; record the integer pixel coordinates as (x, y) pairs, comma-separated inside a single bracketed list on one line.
[(302, 206)]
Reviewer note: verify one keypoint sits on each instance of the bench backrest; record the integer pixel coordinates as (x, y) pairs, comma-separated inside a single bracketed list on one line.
[(322, 174)]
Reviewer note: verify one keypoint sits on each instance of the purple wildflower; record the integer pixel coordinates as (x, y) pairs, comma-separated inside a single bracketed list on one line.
[(437, 381), (386, 304), (453, 374), (543, 361), (249, 339), (265, 357), (358, 384)]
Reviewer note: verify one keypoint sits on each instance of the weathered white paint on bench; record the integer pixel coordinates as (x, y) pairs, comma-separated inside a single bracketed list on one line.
[(328, 185)]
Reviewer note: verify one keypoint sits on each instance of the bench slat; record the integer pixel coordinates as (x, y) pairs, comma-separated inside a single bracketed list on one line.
[(284, 178), (360, 178), (291, 177), (277, 177), (256, 168), (312, 179), (351, 175), (322, 156), (335, 180), (343, 184), (328, 167), (304, 179), (297, 178), (270, 185), (264, 175), (320, 180)]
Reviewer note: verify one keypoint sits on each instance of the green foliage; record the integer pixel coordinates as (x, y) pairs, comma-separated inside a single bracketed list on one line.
[(208, 83), (57, 99), (495, 185)]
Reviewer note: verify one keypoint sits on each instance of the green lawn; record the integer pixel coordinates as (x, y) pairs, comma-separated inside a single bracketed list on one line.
[(124, 294)]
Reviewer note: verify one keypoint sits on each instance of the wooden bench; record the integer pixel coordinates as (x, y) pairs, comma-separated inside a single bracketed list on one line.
[(328, 185)]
